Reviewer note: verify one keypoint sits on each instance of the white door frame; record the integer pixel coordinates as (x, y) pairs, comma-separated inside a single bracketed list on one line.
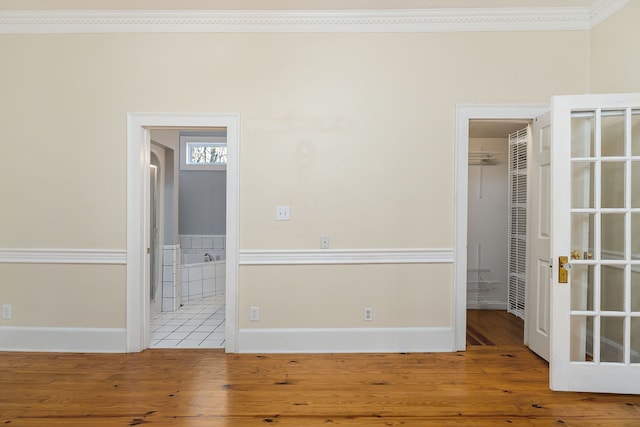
[(464, 113), (138, 153)]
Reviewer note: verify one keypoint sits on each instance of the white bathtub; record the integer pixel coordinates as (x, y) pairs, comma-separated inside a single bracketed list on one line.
[(198, 258), (200, 279)]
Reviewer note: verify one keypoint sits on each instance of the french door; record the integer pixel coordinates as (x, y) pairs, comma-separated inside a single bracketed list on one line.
[(595, 243)]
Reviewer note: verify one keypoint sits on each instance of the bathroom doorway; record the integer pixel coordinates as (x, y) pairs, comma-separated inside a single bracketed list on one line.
[(140, 128), (192, 312)]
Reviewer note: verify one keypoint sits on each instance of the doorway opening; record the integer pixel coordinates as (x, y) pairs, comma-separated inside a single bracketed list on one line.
[(496, 240), (476, 118), (188, 310), (141, 129)]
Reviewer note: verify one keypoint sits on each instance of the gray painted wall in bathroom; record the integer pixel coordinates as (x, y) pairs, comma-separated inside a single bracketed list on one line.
[(202, 200)]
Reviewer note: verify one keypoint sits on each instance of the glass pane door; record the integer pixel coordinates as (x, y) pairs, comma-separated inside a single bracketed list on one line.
[(605, 237)]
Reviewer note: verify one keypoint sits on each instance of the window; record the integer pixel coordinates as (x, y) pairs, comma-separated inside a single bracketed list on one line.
[(203, 153)]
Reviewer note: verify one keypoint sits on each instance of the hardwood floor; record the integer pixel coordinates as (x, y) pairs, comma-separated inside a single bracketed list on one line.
[(494, 327), (487, 385)]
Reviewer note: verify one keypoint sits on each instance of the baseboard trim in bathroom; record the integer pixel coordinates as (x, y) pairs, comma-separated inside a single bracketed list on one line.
[(346, 340), (73, 340)]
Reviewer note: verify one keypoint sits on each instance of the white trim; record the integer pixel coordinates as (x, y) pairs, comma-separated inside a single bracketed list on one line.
[(63, 256), (488, 305), (318, 21), (138, 146), (345, 256), (346, 340), (83, 340), (464, 113), (602, 9)]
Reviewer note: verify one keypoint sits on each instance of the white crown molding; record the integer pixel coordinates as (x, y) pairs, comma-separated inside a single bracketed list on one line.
[(209, 21), (62, 256), (345, 256), (602, 9)]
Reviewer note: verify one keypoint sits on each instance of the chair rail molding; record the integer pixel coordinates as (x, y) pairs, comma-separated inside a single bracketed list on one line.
[(345, 256), (62, 256)]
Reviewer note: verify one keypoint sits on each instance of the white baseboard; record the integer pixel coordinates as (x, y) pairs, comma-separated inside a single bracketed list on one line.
[(488, 305), (74, 340), (346, 340)]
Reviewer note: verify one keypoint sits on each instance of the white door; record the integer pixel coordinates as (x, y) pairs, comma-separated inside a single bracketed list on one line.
[(538, 237), (595, 187)]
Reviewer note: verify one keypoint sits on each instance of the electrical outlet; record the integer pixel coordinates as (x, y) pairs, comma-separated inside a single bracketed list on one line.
[(368, 314), (6, 311), (254, 314), (324, 242)]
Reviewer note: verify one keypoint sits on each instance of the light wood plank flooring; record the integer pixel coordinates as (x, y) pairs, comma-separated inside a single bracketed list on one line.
[(500, 384), (494, 327)]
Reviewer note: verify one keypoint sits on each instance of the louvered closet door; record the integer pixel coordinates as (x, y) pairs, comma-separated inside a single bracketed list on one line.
[(518, 145)]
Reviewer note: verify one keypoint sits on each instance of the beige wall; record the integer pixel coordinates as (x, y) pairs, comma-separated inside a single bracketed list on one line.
[(408, 295), (615, 64), (615, 67), (354, 131), (82, 296)]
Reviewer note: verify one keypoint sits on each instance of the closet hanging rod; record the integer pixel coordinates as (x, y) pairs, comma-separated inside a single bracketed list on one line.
[(483, 157)]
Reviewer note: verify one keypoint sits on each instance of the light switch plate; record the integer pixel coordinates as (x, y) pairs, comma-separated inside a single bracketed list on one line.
[(283, 213)]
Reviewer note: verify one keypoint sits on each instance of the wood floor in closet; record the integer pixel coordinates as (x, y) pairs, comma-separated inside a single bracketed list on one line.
[(495, 382)]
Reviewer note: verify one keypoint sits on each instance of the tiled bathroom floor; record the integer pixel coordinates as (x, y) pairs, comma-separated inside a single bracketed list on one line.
[(198, 324)]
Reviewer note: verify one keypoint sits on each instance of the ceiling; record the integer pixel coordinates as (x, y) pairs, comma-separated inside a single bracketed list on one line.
[(289, 4)]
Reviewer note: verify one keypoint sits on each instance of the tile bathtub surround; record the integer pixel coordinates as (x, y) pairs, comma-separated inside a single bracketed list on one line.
[(198, 324), (170, 277), (202, 280), (201, 244)]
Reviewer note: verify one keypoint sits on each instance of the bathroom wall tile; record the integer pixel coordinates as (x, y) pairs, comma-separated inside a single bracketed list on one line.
[(218, 242), (207, 242), (168, 304), (167, 257), (184, 274), (196, 242), (167, 289), (167, 272)]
